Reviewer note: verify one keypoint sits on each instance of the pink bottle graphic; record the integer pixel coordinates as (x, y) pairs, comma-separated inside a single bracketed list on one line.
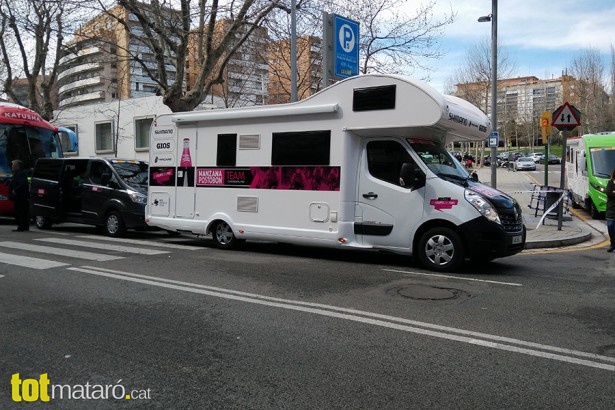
[(186, 160)]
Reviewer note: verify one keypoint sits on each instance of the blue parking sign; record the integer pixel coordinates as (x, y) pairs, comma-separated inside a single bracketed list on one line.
[(346, 38)]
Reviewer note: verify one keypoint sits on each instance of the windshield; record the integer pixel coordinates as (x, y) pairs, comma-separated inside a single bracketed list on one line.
[(603, 161), (133, 173), (26, 144), (437, 159)]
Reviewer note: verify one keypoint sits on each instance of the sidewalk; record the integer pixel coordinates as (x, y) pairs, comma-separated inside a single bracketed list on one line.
[(574, 231)]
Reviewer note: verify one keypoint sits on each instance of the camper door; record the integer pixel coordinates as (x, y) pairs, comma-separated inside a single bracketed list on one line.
[(387, 213), (187, 155)]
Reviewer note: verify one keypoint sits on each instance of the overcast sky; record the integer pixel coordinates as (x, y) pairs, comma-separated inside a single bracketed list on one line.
[(541, 37)]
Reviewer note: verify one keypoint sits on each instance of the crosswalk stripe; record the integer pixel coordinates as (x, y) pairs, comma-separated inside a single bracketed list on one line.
[(105, 246), (59, 251), (140, 242), (28, 262)]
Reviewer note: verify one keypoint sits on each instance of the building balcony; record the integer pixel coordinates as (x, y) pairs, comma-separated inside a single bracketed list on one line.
[(83, 98), (84, 52), (80, 84), (80, 69)]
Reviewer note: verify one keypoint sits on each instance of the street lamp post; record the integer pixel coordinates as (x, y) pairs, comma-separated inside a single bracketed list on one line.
[(494, 81)]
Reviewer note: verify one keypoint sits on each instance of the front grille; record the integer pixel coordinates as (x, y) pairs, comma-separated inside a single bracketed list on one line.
[(512, 224)]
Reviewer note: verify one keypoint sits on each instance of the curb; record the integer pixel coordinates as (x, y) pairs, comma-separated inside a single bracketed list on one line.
[(555, 243)]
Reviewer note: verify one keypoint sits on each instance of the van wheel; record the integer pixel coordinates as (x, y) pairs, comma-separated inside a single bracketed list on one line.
[(591, 208), (223, 236), (114, 225), (41, 222), (440, 249)]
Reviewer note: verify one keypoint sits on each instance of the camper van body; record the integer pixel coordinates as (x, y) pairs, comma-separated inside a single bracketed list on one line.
[(362, 164), (590, 161)]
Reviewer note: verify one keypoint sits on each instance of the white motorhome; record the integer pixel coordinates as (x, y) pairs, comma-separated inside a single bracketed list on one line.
[(361, 164)]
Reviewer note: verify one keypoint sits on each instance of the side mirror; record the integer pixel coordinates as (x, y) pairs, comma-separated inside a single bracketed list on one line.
[(474, 177), (411, 177)]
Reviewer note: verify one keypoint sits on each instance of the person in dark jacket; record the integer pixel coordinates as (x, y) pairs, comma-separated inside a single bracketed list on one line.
[(610, 210), (19, 193)]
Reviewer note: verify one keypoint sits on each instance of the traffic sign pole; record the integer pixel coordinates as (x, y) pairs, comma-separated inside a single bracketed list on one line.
[(565, 118)]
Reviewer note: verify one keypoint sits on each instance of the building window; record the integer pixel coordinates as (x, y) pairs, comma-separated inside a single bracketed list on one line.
[(104, 137), (142, 128)]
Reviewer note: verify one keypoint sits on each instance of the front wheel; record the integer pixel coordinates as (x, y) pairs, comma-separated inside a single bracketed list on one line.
[(41, 222), (223, 236), (114, 224), (440, 249)]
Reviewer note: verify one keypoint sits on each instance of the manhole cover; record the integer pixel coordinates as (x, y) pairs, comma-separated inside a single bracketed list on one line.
[(424, 292)]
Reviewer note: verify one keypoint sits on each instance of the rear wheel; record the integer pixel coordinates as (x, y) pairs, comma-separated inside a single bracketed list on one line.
[(114, 224), (440, 249), (223, 236), (41, 222)]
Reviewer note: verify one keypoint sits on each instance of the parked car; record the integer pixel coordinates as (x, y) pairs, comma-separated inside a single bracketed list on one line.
[(552, 160), (525, 164), (536, 156), (108, 193)]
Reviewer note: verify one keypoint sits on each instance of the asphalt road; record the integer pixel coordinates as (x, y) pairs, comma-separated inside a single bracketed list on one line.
[(274, 326)]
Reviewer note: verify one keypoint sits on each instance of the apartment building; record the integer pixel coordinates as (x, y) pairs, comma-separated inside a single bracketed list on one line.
[(309, 69), (97, 67), (245, 77)]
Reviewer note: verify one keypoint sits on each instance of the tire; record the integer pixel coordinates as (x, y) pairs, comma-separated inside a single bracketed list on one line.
[(223, 236), (114, 224), (594, 212), (41, 222), (441, 250)]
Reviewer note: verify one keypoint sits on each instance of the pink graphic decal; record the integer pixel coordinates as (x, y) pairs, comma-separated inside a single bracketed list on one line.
[(487, 191), (186, 160), (443, 203), (163, 176), (296, 178)]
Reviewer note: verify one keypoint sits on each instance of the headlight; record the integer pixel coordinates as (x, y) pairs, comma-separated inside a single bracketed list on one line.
[(137, 197), (597, 187), (482, 205)]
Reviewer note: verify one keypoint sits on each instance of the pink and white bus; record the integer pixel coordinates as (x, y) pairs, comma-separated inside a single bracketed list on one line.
[(26, 136)]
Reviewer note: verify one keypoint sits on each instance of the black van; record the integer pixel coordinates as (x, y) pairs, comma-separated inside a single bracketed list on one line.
[(108, 193)]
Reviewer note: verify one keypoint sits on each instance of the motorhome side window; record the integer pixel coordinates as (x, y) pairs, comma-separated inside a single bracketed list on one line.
[(384, 160), (301, 148), (227, 150)]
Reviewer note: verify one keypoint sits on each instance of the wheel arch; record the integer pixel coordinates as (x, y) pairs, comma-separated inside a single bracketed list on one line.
[(433, 223)]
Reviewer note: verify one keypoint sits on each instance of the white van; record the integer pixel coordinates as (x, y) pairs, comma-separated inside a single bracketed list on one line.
[(361, 164)]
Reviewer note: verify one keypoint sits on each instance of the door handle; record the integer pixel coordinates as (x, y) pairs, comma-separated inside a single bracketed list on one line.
[(370, 195)]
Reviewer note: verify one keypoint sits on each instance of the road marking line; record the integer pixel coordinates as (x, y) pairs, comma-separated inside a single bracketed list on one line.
[(105, 246), (143, 242), (406, 325), (28, 262), (453, 277), (60, 251)]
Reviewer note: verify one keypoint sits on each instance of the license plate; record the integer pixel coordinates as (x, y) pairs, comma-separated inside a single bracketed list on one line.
[(517, 239)]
